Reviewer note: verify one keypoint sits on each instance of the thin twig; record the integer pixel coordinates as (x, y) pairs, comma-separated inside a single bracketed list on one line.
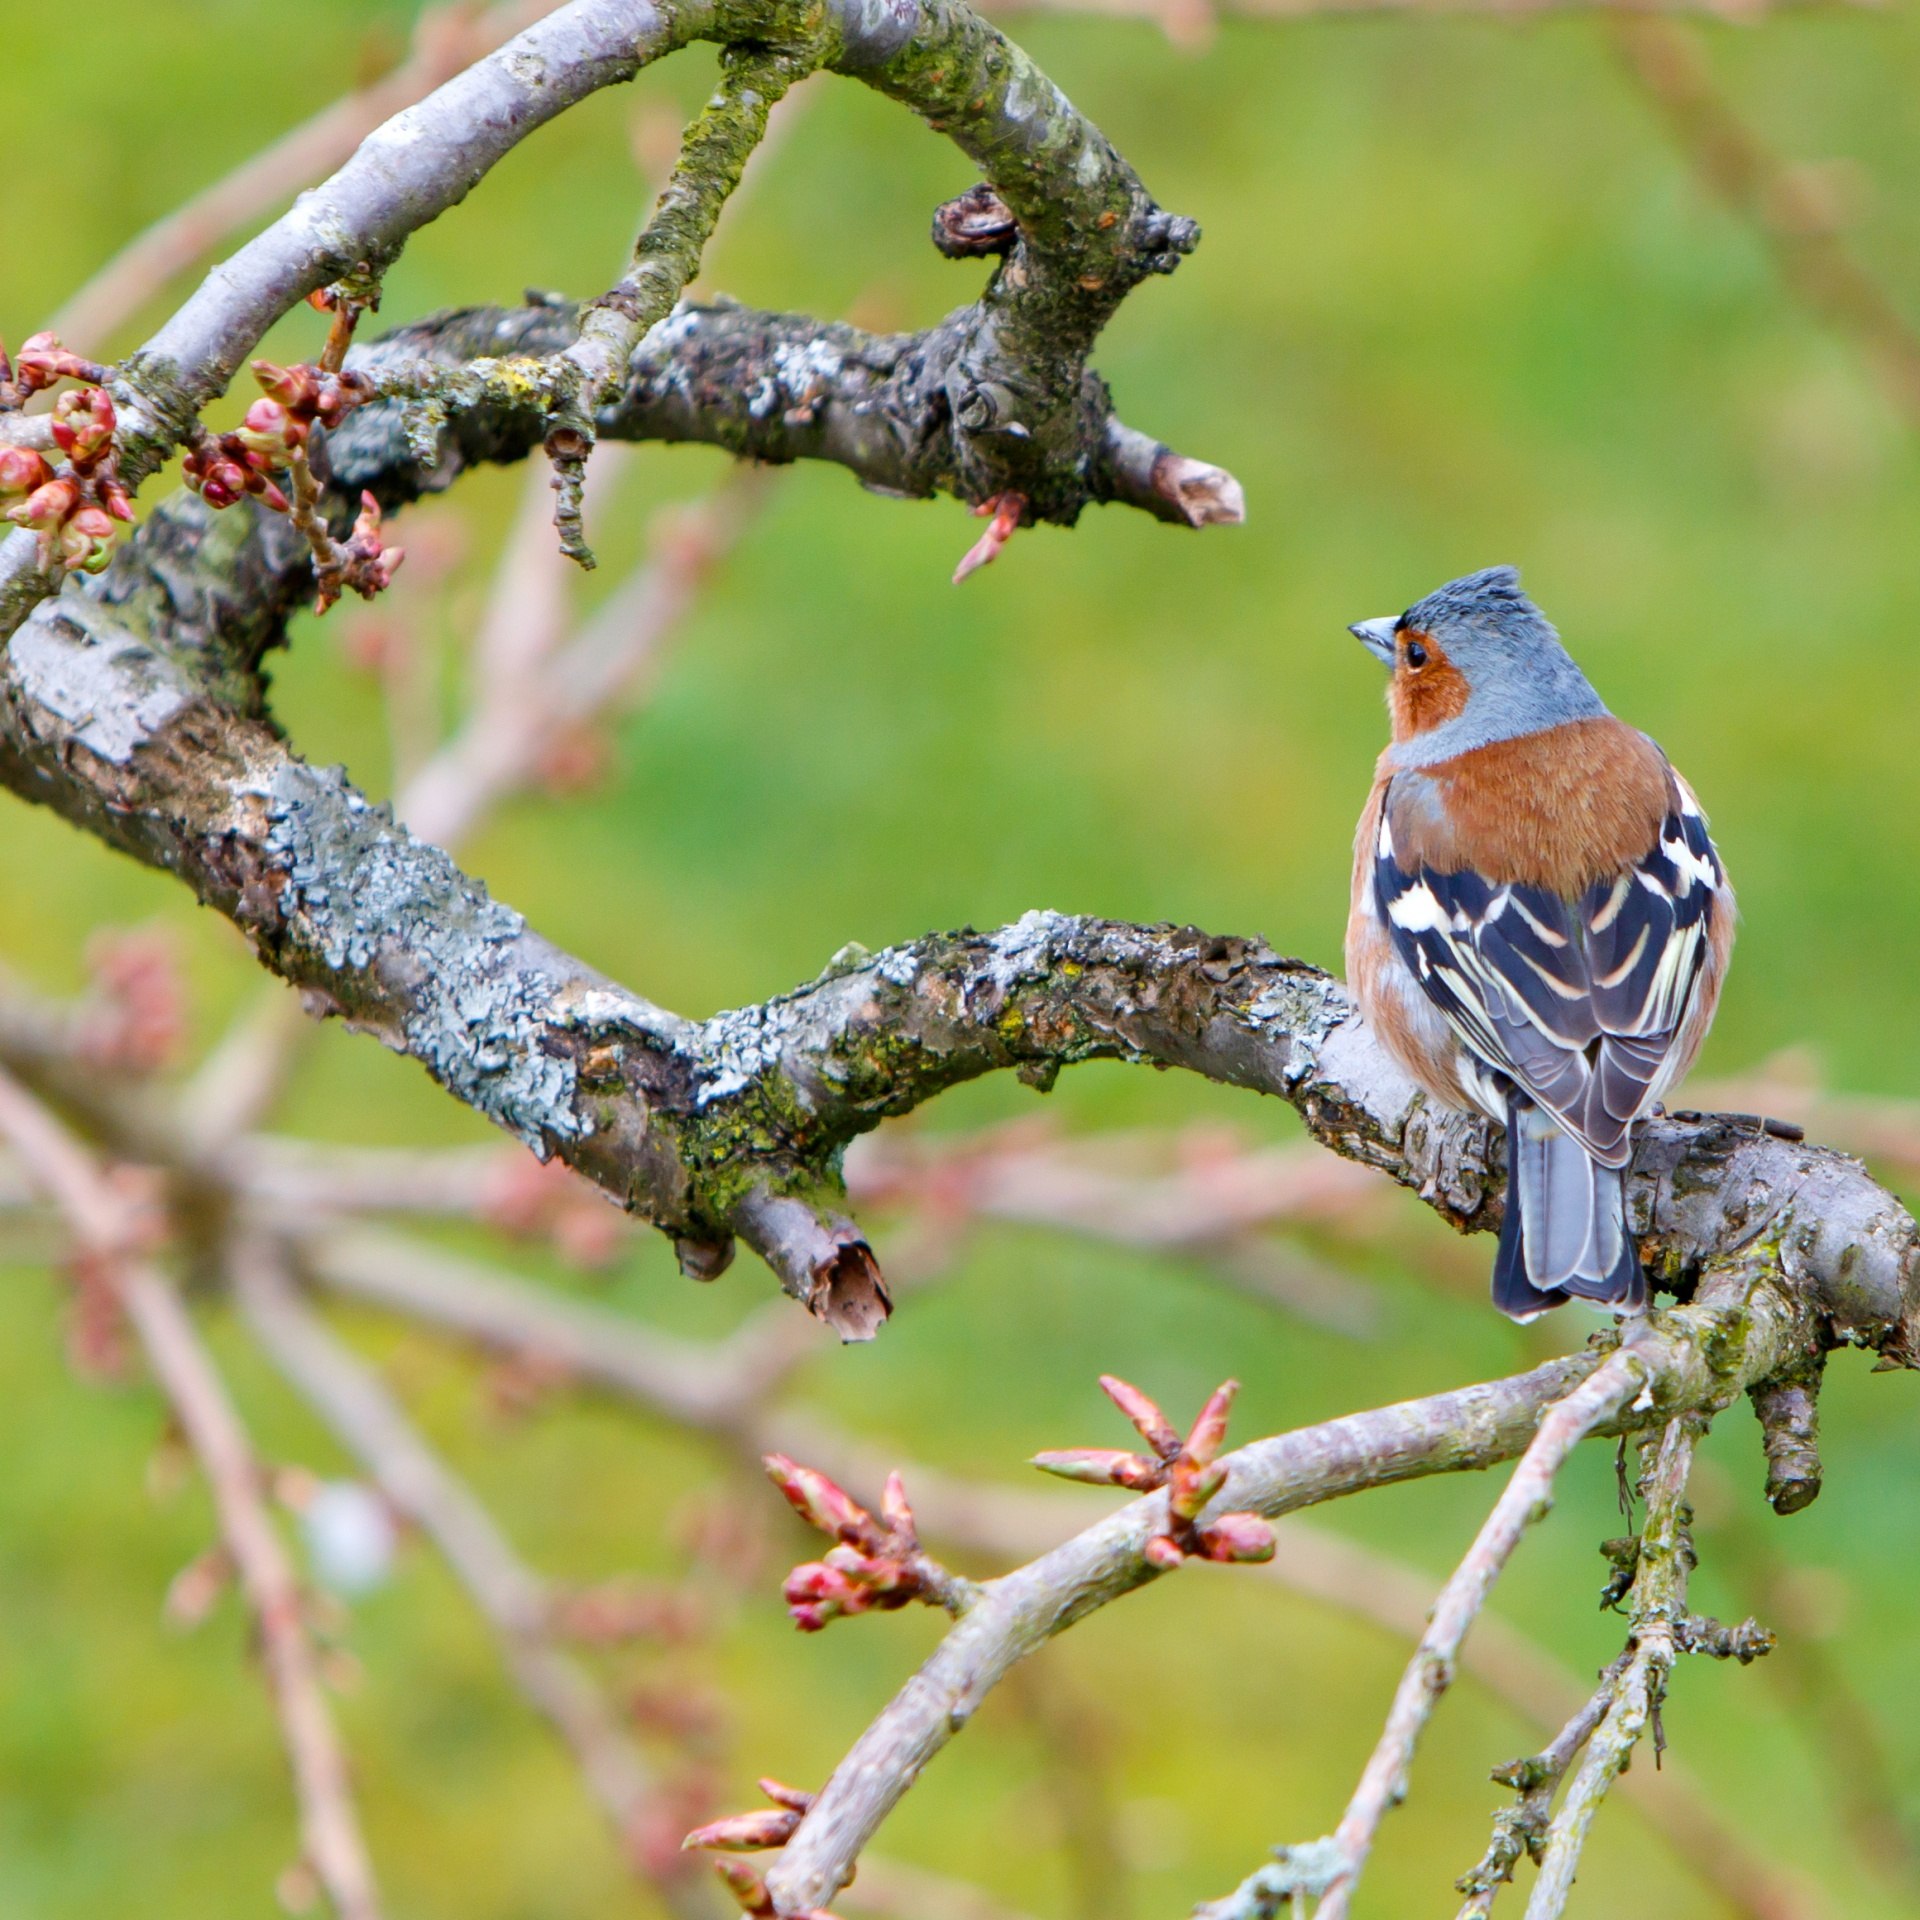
[(1330, 1869)]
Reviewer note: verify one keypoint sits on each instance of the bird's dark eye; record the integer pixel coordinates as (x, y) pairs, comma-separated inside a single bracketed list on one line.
[(1416, 654)]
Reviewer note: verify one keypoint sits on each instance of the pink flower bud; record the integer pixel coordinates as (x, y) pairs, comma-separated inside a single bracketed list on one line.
[(895, 1510), (46, 506), (86, 541), (1190, 1487), (43, 361), (22, 471), (1238, 1536), (746, 1832), (746, 1886), (785, 1796), (296, 388), (822, 1504), (1148, 1421), (1210, 1430), (1161, 1552), (816, 1593), (1103, 1467), (270, 432), (83, 424)]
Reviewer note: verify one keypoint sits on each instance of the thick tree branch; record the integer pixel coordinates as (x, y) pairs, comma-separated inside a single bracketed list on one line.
[(736, 1125)]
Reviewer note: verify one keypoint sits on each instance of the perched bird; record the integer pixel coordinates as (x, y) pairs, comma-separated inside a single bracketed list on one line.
[(1540, 924)]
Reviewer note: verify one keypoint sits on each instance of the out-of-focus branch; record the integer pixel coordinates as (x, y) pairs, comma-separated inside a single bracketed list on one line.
[(1329, 1870), (446, 39), (1192, 22), (536, 683), (106, 1227), (1199, 1193), (1785, 205), (515, 1601)]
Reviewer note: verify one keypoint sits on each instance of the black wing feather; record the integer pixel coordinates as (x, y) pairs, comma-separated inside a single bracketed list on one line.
[(1577, 1003)]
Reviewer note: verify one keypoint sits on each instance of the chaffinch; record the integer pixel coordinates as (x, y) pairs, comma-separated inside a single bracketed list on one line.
[(1540, 924)]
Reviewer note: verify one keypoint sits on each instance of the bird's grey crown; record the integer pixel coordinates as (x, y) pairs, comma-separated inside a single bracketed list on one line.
[(1520, 679)]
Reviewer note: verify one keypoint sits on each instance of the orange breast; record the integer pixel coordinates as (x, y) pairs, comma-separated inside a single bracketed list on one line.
[(1558, 810)]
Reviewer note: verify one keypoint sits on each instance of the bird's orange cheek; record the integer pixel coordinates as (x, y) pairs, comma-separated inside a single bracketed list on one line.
[(1425, 697)]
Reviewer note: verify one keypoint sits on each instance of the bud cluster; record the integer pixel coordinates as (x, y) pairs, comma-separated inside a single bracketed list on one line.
[(1190, 1469), (72, 509), (875, 1566), (223, 468)]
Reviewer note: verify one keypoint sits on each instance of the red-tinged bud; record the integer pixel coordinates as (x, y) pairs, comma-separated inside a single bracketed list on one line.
[(746, 1832), (46, 507), (340, 396), (1210, 1430), (270, 495), (896, 1512), (366, 525), (783, 1795), (1161, 1552), (22, 471), (269, 430), (822, 1504), (43, 361), (746, 1886), (1238, 1536), (1149, 1422), (86, 541), (117, 501), (1103, 1467), (816, 1593), (83, 424), (296, 388), (1190, 1487)]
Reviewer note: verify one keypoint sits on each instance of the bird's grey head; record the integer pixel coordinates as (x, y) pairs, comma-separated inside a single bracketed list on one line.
[(1513, 675)]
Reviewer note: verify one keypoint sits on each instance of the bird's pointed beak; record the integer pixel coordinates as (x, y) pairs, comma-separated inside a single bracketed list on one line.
[(1377, 637)]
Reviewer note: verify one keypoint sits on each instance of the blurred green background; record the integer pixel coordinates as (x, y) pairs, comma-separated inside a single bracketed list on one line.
[(1459, 302)]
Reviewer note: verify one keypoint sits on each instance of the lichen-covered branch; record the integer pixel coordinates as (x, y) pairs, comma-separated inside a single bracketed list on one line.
[(130, 710), (771, 387), (1026, 418), (1659, 1602)]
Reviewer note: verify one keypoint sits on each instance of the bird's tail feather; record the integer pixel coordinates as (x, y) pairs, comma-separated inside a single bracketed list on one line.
[(1565, 1233)]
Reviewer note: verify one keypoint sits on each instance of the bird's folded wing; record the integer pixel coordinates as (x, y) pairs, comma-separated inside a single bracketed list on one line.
[(1577, 1003)]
